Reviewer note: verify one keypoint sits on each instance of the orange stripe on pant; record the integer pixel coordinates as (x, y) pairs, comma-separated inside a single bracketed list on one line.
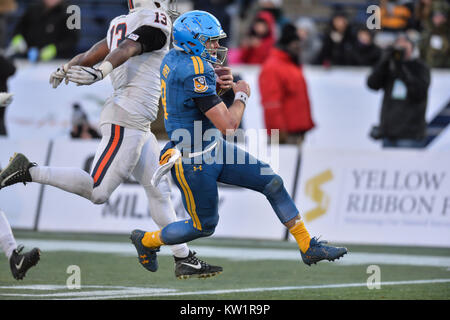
[(104, 161)]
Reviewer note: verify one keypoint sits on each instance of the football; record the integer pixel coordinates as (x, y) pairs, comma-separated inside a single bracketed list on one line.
[(220, 72)]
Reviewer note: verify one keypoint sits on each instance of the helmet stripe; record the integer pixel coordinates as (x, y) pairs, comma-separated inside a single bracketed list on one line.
[(130, 4)]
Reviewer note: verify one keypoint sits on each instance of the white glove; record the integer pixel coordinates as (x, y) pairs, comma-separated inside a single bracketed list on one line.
[(5, 99), (58, 76), (84, 75)]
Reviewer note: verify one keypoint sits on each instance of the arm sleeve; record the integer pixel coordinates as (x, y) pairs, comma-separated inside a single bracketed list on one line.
[(207, 102), (150, 38)]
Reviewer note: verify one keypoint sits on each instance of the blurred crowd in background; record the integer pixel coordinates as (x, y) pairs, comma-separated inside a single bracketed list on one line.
[(331, 32), (278, 35)]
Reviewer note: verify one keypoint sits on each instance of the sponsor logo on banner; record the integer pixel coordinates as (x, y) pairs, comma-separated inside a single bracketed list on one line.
[(313, 190), (394, 193), (395, 197)]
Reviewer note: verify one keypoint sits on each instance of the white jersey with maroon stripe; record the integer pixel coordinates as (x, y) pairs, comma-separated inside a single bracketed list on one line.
[(136, 82)]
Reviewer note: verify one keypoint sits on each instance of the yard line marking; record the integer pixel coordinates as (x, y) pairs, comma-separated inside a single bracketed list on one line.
[(239, 254), (134, 292), (331, 286)]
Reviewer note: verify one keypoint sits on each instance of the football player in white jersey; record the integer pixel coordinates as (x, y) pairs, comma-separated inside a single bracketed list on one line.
[(131, 54)]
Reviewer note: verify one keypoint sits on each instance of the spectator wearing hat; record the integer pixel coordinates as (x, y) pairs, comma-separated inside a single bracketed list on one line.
[(311, 41), (256, 46), (275, 8), (284, 93)]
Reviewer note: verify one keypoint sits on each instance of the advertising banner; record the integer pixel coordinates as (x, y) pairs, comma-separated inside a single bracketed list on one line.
[(377, 197), (243, 213), (126, 209)]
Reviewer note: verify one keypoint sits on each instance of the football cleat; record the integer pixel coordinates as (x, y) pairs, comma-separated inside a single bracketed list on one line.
[(192, 267), (166, 163), (318, 251), (16, 171), (146, 256), (20, 263)]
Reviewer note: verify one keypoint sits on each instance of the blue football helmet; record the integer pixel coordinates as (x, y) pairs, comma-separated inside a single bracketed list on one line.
[(193, 29)]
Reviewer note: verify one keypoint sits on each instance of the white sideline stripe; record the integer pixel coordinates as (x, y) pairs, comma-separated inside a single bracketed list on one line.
[(352, 258), (133, 292)]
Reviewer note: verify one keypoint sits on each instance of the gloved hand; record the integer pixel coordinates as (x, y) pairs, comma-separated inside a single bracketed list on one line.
[(5, 99), (84, 75), (58, 76)]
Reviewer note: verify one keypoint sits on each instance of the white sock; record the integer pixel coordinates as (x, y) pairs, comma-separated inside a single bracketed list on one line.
[(180, 250), (7, 241), (72, 180)]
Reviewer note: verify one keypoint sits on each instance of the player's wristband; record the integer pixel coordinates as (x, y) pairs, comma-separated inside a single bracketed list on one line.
[(241, 96), (106, 67)]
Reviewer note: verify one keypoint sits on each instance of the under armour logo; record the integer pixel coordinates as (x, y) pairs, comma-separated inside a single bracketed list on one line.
[(197, 168)]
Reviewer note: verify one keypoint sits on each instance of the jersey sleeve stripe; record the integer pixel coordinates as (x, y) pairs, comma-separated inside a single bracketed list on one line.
[(196, 67), (201, 66)]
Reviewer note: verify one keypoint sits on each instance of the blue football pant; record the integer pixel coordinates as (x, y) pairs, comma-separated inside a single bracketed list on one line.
[(198, 186)]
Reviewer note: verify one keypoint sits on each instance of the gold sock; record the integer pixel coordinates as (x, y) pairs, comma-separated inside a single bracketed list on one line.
[(301, 235), (152, 239)]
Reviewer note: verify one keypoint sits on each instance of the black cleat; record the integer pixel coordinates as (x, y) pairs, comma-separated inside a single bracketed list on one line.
[(192, 267), (318, 250), (16, 171), (20, 263), (146, 256)]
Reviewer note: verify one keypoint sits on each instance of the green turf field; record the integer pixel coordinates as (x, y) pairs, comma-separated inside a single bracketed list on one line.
[(253, 270)]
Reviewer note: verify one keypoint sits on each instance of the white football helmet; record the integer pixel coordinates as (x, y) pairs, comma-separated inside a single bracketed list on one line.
[(169, 6)]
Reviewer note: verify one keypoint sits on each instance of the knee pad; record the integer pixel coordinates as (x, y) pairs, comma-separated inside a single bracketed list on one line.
[(279, 198), (208, 231), (273, 187), (209, 226)]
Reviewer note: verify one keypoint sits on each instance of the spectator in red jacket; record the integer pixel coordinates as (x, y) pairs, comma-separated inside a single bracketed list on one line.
[(256, 45), (283, 89)]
